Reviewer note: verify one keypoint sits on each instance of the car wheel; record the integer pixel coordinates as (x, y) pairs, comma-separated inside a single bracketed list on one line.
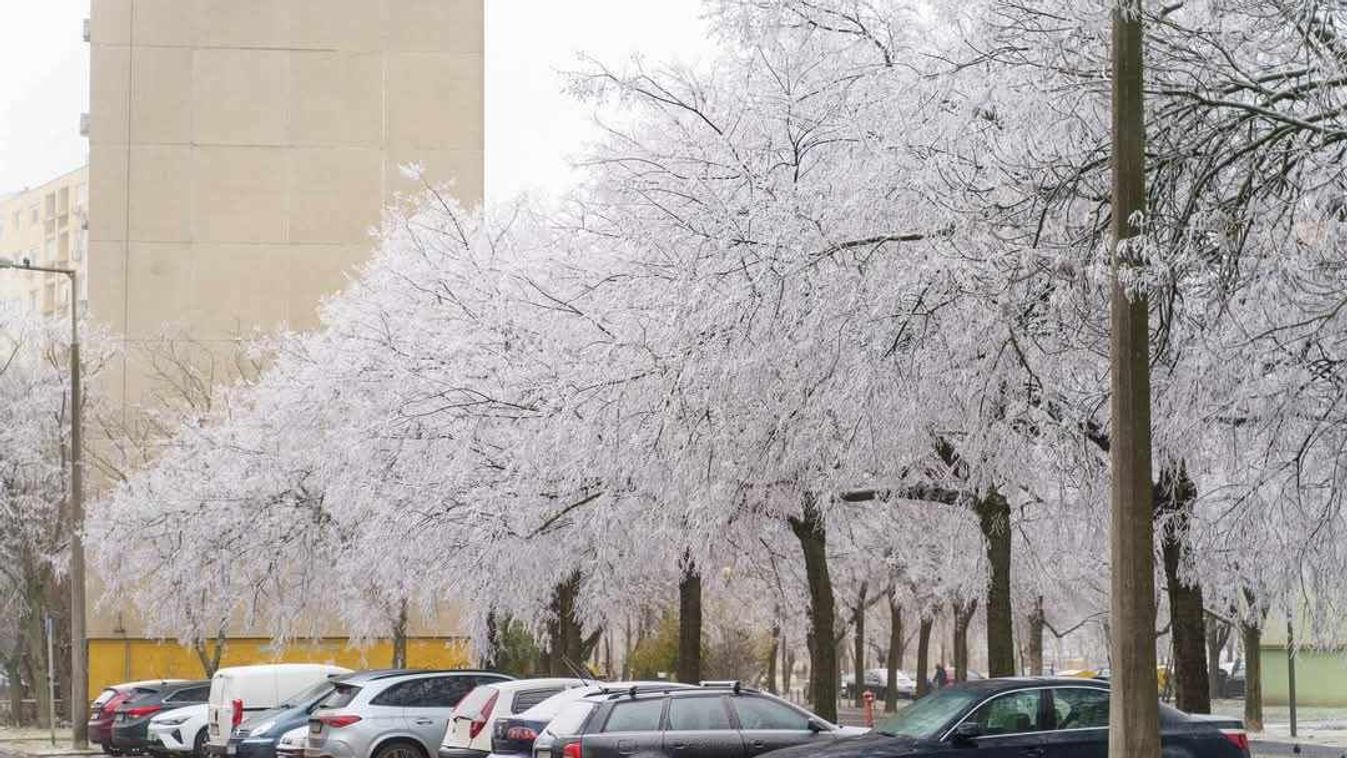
[(199, 744), (399, 749)]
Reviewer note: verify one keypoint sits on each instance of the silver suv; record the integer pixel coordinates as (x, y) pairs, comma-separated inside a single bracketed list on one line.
[(389, 714)]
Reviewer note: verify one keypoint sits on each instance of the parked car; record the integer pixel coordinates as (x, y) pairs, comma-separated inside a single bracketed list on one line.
[(516, 735), (877, 681), (1048, 717), (711, 721), (390, 715), (291, 744), (131, 719), (471, 726), (239, 691), (181, 731), (104, 709), (259, 733)]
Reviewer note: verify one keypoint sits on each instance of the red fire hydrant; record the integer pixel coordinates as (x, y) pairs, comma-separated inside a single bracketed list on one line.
[(869, 698)]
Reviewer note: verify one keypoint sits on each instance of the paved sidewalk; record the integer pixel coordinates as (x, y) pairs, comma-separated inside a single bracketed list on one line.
[(23, 742)]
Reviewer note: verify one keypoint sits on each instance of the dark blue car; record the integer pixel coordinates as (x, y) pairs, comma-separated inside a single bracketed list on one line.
[(257, 737), (1025, 718)]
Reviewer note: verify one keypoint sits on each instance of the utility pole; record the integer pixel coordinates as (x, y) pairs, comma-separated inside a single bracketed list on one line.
[(79, 646), (1134, 719), (1291, 670), (51, 676)]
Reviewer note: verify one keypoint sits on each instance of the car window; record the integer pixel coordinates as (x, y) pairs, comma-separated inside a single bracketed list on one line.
[(1080, 707), (471, 704), (340, 697), (447, 691), (697, 714), (189, 695), (761, 713), (1011, 713), (635, 716), (414, 693), (526, 699)]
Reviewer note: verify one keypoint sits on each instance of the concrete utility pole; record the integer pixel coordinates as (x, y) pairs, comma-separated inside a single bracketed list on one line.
[(1134, 718), (79, 650)]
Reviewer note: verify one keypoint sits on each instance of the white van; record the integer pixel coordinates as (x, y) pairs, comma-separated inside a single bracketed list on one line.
[(235, 692)]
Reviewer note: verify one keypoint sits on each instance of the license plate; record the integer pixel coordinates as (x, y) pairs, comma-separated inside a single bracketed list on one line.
[(315, 727)]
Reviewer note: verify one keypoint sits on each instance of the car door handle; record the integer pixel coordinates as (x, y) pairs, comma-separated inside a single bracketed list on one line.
[(1033, 752), (424, 722), (680, 745), (759, 744)]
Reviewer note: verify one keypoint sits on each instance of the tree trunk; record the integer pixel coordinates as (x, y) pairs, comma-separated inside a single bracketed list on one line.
[(16, 689), (923, 653), (963, 615), (771, 660), (993, 512), (858, 652), (787, 665), (690, 624), (810, 531), (626, 651), (1134, 712), (565, 647), (1036, 623), (1253, 676), (35, 642), (1174, 494), (400, 637), (210, 660), (1218, 634), (895, 659)]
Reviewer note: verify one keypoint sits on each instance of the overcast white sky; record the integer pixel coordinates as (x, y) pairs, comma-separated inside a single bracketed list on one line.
[(531, 126)]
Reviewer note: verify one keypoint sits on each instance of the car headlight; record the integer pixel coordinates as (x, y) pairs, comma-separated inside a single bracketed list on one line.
[(261, 729)]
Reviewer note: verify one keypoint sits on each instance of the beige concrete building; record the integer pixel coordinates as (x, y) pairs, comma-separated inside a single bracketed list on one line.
[(240, 152), (46, 226)]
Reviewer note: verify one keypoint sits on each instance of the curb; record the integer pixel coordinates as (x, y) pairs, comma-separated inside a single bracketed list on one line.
[(1259, 747)]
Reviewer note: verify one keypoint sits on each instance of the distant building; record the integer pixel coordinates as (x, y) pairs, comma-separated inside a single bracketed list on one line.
[(46, 226), (240, 150)]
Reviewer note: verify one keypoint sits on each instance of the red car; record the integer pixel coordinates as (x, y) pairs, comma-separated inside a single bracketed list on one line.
[(104, 709)]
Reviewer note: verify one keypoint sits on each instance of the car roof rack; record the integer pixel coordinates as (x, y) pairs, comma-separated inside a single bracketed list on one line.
[(644, 689), (732, 684)]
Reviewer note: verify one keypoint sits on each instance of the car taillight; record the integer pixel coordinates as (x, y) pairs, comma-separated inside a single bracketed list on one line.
[(237, 717), (475, 728), (573, 750), (520, 733), (141, 710), (337, 722), (1238, 737)]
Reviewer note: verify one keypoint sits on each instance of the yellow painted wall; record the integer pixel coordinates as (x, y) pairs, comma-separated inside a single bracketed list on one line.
[(126, 660)]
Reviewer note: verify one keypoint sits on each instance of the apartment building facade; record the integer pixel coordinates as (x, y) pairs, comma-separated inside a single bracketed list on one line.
[(46, 226), (240, 153)]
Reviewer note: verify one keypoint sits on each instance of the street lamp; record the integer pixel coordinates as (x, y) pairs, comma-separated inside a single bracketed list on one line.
[(79, 651)]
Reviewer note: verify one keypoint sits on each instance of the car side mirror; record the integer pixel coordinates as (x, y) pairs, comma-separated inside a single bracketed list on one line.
[(817, 726), (966, 733)]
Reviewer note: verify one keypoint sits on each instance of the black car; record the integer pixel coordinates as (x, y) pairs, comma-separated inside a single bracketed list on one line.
[(131, 719), (257, 737), (1014, 718), (711, 721)]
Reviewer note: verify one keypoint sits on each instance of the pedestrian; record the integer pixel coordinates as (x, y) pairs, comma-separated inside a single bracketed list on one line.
[(940, 679)]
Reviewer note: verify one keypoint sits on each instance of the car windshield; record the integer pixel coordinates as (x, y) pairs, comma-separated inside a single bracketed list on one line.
[(308, 694), (924, 718)]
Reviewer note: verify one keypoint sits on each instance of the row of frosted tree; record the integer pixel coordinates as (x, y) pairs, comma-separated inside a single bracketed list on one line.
[(826, 325)]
